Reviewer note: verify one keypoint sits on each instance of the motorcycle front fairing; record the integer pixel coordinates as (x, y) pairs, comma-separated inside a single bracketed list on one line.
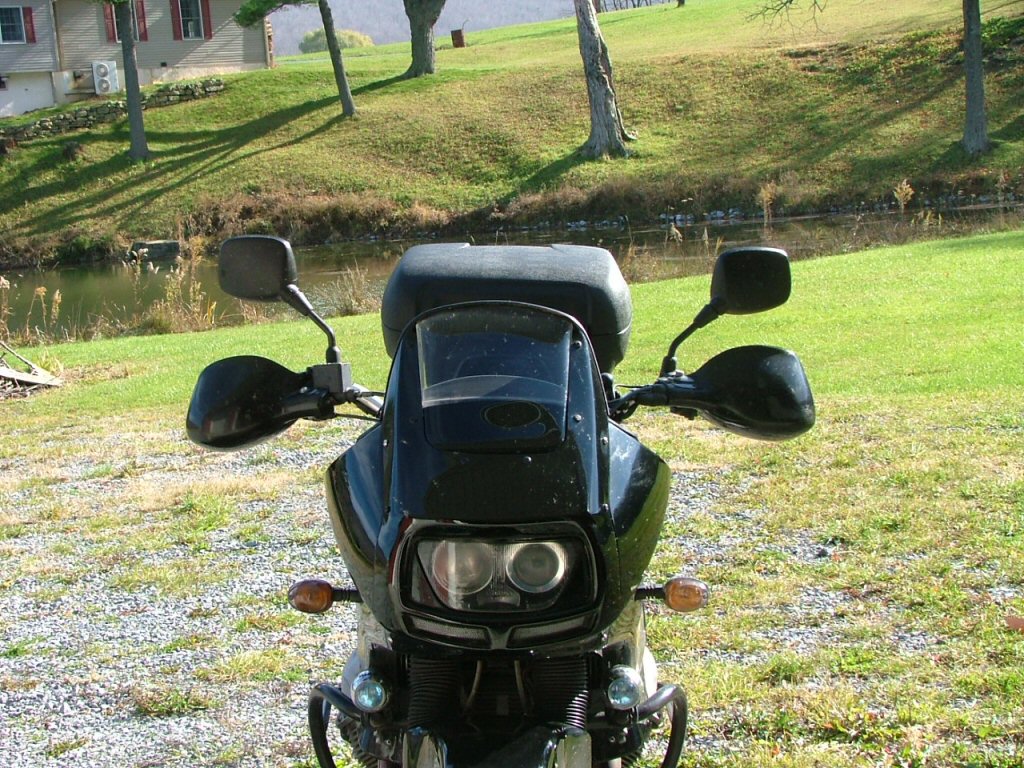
[(495, 431), (496, 524)]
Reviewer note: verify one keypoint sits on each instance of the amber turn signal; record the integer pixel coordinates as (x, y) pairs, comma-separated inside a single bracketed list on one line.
[(311, 595), (685, 594)]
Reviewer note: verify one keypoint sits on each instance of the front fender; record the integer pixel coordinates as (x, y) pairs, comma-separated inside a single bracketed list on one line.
[(540, 747)]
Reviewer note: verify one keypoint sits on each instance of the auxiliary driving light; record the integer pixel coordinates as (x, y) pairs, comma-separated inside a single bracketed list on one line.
[(625, 689), (685, 594), (369, 692)]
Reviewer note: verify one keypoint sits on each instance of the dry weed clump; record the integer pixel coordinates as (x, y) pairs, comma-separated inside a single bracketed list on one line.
[(640, 264), (903, 193), (423, 218), (5, 308), (184, 306), (306, 220), (536, 206), (351, 293), (309, 219), (41, 319), (616, 197), (767, 196)]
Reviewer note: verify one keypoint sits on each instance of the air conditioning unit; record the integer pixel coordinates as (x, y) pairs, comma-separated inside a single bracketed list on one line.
[(104, 77)]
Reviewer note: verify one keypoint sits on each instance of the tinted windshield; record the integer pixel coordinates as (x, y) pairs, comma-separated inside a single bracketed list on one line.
[(494, 377)]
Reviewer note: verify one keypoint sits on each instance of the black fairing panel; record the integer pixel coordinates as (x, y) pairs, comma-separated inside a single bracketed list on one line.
[(355, 496), (600, 477), (640, 485), (481, 489)]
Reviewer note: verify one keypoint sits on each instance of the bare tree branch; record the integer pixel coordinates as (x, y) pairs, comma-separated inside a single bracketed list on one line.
[(772, 10)]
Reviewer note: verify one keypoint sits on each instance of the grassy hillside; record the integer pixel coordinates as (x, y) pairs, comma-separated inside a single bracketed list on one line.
[(862, 575), (837, 111)]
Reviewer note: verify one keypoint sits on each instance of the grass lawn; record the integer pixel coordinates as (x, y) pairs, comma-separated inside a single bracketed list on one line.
[(862, 575), (833, 112)]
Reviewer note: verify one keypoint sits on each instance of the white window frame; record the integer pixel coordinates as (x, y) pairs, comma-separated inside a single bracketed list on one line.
[(135, 23), (186, 26), (21, 26)]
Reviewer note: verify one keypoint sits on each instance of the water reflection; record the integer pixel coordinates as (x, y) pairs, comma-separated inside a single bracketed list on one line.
[(119, 292)]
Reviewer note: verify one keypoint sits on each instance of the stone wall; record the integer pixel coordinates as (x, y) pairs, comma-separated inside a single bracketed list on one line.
[(108, 111)]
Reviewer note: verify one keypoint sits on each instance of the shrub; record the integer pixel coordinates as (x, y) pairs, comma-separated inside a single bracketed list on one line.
[(84, 248), (316, 40)]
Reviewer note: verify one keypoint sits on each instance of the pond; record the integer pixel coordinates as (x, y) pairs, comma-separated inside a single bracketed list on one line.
[(68, 302)]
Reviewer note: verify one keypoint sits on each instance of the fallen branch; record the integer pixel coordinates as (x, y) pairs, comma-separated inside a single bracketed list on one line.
[(14, 379)]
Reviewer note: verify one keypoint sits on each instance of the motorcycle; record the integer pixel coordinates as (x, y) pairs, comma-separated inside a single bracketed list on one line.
[(496, 518)]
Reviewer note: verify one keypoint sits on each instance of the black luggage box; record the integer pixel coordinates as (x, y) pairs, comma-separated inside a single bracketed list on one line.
[(581, 281)]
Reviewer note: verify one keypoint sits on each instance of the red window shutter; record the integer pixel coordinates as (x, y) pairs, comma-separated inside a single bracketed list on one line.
[(108, 19), (30, 26), (176, 20), (207, 20), (140, 16)]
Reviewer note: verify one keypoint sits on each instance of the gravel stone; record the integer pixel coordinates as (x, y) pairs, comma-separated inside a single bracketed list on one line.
[(76, 657), (79, 651)]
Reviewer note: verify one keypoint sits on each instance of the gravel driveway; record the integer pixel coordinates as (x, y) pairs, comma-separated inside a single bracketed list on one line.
[(89, 659), (99, 667)]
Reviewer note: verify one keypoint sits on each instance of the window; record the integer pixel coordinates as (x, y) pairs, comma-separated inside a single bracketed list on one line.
[(135, 25), (12, 25), (138, 11), (191, 19)]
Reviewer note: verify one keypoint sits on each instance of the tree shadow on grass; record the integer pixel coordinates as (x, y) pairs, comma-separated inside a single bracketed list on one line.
[(1012, 131), (552, 173), (190, 156), (378, 85)]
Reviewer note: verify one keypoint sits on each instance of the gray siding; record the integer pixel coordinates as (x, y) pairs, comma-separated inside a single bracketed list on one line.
[(84, 38), (40, 56)]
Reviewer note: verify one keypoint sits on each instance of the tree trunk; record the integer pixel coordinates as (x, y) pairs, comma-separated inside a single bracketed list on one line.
[(608, 136), (348, 106), (138, 149), (975, 140), (423, 15)]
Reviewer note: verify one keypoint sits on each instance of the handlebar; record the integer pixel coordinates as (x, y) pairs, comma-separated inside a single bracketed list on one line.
[(330, 385), (318, 404), (674, 390)]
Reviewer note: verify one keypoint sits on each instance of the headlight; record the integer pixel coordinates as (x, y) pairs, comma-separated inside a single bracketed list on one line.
[(459, 567), (475, 574), (536, 567)]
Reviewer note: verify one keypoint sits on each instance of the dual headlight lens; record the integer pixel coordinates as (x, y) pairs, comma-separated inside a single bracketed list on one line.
[(459, 567), (536, 567), (471, 574)]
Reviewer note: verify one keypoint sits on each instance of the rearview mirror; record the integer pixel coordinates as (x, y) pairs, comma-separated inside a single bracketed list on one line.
[(256, 267), (239, 401), (262, 268), (756, 391), (746, 280), (750, 279)]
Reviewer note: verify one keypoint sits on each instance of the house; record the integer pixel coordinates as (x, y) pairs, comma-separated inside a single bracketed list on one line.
[(58, 51)]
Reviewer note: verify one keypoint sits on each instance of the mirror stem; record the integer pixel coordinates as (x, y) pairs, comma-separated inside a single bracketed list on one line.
[(712, 311), (297, 300)]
